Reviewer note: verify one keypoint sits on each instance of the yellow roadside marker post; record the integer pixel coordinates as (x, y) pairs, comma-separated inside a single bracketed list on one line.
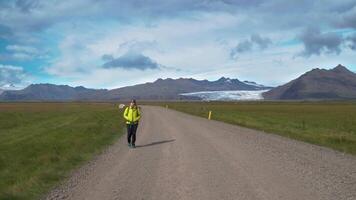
[(209, 115)]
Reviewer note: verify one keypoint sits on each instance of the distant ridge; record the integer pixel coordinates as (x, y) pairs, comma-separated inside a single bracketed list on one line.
[(336, 83), (51, 92), (170, 89), (161, 89)]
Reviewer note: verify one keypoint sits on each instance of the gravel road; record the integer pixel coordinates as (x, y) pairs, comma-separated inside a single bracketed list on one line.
[(179, 156)]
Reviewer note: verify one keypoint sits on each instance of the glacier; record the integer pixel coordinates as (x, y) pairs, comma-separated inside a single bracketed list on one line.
[(228, 95)]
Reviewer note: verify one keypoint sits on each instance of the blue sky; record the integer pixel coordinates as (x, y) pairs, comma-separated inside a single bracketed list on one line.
[(114, 43)]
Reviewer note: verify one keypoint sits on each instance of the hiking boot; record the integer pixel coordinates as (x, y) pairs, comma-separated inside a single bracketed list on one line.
[(133, 146)]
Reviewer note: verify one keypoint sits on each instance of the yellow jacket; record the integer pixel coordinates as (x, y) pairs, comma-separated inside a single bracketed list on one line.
[(132, 115)]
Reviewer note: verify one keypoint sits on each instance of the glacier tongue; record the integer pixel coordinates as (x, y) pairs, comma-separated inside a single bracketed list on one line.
[(228, 95)]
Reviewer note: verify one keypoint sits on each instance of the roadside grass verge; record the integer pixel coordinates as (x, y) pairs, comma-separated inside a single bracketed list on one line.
[(40, 143), (330, 124)]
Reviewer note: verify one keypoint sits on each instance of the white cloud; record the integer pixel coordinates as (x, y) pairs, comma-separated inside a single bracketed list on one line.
[(16, 52), (183, 49), (13, 75), (197, 42), (117, 77), (23, 49)]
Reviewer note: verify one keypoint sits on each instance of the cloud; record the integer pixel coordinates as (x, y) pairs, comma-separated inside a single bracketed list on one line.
[(5, 32), (132, 60), (107, 57), (15, 57), (247, 45), (137, 46), (23, 49), (181, 34), (12, 75), (315, 42), (241, 47), (21, 53), (352, 41), (25, 15), (346, 19), (263, 43), (26, 5), (182, 48)]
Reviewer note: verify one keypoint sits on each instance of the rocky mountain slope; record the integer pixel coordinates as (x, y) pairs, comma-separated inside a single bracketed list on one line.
[(336, 83)]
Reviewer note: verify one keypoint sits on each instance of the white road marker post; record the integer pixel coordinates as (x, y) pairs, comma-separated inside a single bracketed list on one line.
[(209, 117)]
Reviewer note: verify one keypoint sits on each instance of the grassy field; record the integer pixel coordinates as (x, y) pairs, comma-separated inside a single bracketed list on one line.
[(40, 143), (330, 124)]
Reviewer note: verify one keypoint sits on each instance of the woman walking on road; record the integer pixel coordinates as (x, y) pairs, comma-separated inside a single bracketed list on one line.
[(132, 116)]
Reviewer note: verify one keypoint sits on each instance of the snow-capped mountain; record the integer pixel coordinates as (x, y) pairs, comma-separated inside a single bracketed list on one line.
[(230, 95), (171, 89), (253, 84), (6, 87), (9, 87)]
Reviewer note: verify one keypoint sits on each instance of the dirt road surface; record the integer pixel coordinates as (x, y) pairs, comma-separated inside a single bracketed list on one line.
[(179, 156)]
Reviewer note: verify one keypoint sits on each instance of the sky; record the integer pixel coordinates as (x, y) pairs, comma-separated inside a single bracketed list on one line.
[(115, 43)]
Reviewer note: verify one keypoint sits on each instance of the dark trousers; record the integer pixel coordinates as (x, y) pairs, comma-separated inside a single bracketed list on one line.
[(131, 133)]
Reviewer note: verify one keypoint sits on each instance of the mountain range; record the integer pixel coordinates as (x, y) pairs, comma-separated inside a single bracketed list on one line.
[(51, 92), (336, 83), (161, 89), (171, 89)]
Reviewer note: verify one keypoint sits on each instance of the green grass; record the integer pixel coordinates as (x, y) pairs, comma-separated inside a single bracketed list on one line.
[(40, 143), (330, 124)]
